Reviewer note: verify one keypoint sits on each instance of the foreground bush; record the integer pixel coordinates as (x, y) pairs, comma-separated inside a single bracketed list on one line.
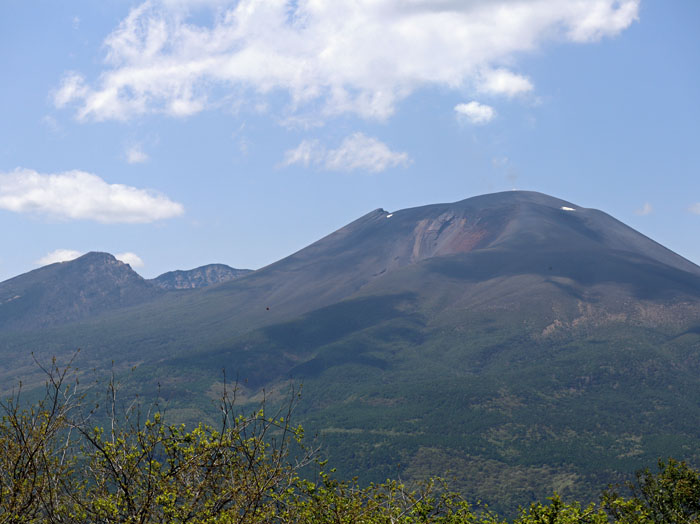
[(58, 466)]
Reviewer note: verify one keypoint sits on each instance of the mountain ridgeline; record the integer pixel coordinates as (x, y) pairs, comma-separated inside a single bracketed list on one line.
[(203, 276), (90, 285), (513, 338)]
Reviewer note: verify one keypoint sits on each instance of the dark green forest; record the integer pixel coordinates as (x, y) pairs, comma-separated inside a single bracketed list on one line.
[(80, 453)]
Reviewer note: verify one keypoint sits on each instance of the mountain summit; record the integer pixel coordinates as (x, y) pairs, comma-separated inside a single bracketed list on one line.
[(521, 221)]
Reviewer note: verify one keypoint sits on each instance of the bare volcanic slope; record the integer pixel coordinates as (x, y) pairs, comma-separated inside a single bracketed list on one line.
[(517, 250)]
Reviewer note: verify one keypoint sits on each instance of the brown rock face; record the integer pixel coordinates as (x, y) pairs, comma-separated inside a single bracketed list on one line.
[(445, 235)]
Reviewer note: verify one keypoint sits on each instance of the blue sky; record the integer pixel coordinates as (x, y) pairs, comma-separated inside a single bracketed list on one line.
[(177, 133)]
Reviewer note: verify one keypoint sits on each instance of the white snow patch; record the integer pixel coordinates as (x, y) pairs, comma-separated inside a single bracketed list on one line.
[(390, 215), (568, 208)]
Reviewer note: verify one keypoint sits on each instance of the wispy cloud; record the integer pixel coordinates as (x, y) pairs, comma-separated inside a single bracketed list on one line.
[(356, 152), (475, 112), (72, 88), (646, 209), (52, 125), (360, 152), (335, 57), (77, 195), (695, 209), (58, 255), (306, 153), (135, 154)]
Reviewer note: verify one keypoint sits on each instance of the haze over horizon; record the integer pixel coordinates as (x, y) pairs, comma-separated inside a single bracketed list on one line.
[(177, 133)]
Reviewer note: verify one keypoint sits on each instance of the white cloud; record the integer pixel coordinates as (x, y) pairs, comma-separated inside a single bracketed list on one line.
[(602, 18), (58, 255), (355, 152), (475, 112), (646, 209), (504, 82), (130, 258), (360, 57), (135, 154), (78, 195), (695, 209)]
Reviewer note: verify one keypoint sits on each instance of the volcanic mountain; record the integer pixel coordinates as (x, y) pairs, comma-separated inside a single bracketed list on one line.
[(514, 337), (483, 252), (498, 236)]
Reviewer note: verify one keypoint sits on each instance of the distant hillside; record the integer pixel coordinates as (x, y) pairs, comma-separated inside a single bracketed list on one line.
[(199, 277), (69, 291)]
